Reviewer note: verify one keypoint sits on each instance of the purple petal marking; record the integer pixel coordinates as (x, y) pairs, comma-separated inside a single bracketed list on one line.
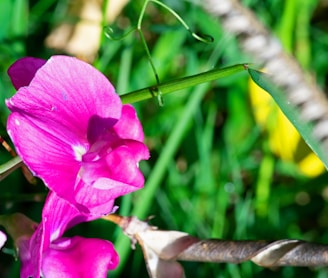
[(23, 71)]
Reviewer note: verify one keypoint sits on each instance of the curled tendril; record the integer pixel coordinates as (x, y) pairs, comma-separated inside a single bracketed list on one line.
[(108, 30), (201, 37)]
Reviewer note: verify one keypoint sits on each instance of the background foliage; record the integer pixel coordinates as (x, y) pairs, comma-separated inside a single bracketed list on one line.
[(212, 172)]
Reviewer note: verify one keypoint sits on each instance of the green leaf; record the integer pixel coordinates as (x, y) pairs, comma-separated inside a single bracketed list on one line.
[(291, 112)]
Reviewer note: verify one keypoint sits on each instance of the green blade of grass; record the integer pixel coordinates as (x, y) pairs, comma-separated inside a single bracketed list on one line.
[(291, 112)]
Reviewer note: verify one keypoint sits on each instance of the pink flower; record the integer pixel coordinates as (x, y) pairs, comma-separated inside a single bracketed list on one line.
[(71, 129), (50, 254)]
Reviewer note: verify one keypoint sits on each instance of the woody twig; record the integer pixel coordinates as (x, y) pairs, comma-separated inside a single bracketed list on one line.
[(162, 249)]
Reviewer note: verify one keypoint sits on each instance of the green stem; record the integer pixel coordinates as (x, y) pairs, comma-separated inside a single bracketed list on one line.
[(181, 83), (143, 40), (8, 167)]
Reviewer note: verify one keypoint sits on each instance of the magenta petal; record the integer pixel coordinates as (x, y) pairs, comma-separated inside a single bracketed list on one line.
[(129, 126), (126, 160), (138, 150), (79, 257), (23, 71), (57, 216), (46, 155), (99, 201), (30, 253), (3, 239)]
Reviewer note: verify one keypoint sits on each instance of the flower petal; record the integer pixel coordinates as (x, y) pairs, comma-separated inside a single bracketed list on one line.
[(100, 201), (123, 163), (3, 239), (79, 257), (46, 155), (23, 71), (129, 126), (57, 216), (30, 253)]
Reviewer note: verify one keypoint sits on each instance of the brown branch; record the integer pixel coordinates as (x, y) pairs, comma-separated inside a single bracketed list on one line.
[(162, 249), (284, 252), (7, 147)]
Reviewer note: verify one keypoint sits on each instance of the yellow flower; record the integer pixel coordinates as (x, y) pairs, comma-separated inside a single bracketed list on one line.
[(284, 139)]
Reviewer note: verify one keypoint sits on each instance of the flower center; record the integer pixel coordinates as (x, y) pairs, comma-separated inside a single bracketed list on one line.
[(79, 151), (94, 165)]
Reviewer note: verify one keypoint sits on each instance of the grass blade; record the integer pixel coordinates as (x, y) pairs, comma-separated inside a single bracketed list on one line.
[(305, 128)]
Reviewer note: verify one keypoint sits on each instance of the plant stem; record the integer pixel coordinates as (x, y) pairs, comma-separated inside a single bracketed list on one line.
[(180, 83)]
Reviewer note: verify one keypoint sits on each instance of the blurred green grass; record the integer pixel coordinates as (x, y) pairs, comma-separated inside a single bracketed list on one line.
[(211, 173)]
